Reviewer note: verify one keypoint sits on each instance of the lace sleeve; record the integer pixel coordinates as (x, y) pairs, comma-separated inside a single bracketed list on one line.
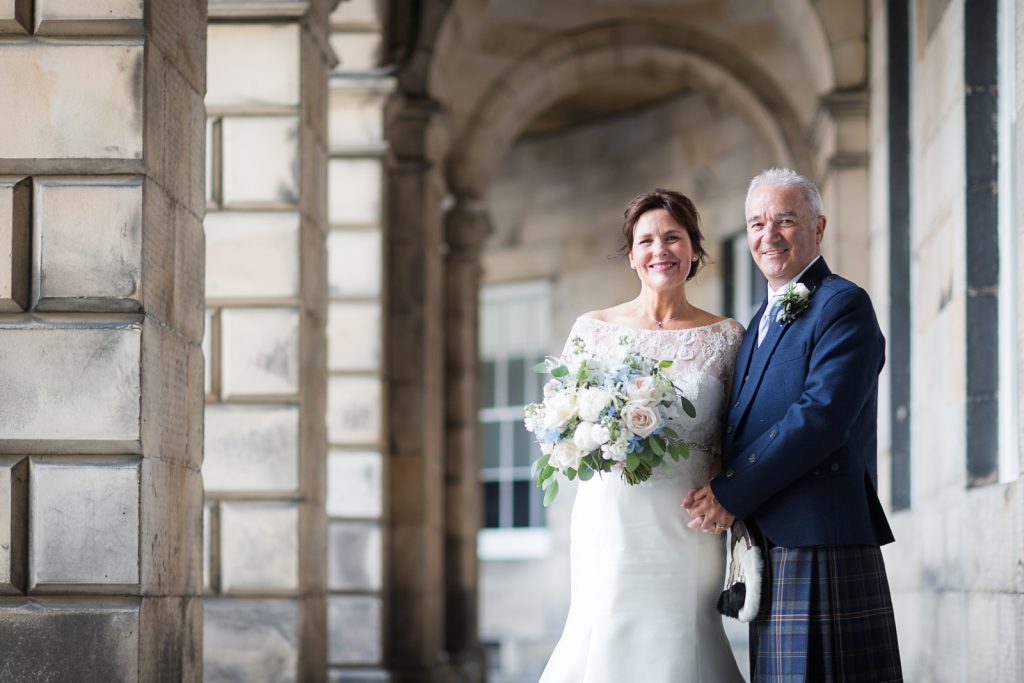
[(720, 349)]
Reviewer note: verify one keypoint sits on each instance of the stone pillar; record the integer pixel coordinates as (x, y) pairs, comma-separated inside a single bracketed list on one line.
[(414, 391), (267, 309), (101, 293), (355, 494), (467, 225), (840, 136)]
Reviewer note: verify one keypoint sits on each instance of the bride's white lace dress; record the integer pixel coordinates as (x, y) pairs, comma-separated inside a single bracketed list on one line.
[(643, 585)]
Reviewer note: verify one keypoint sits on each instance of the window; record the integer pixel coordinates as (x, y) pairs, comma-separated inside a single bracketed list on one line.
[(514, 336), (744, 283)]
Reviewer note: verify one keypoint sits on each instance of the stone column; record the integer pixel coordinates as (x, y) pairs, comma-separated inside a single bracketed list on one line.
[(467, 225), (355, 495), (267, 309), (414, 391), (840, 136), (101, 293)]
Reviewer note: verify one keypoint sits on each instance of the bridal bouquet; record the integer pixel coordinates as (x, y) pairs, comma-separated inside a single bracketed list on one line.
[(604, 415)]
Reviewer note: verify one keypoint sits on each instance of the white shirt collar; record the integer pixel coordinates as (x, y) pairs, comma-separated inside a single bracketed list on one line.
[(776, 293)]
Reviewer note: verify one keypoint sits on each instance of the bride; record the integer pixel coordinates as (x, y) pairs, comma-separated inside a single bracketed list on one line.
[(643, 586)]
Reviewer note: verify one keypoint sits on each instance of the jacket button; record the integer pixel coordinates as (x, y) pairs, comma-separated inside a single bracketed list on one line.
[(728, 473), (736, 405), (746, 377), (816, 473), (728, 430), (773, 434), (835, 467), (753, 458)]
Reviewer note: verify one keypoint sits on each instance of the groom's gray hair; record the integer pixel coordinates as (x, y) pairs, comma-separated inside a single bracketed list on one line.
[(787, 177)]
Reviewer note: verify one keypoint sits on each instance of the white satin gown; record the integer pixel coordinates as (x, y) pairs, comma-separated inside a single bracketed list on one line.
[(643, 585)]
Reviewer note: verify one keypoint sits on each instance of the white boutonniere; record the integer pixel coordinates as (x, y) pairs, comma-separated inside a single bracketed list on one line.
[(793, 303)]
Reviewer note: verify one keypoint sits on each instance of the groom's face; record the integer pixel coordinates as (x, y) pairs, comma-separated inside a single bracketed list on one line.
[(783, 233)]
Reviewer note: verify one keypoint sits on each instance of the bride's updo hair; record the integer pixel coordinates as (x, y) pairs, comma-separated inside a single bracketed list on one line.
[(682, 211)]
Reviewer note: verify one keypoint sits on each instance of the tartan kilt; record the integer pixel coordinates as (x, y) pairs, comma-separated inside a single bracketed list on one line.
[(829, 617)]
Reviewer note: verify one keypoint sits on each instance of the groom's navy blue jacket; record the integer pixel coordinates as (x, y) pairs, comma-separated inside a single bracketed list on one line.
[(799, 451)]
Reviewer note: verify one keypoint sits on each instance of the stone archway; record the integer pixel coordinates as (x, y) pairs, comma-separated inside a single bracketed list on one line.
[(576, 62)]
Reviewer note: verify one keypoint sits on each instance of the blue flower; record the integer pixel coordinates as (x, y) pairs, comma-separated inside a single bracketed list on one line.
[(549, 435), (634, 445)]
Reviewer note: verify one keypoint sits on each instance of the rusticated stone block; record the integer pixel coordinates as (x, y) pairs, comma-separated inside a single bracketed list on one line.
[(84, 518), (88, 244), (259, 546), (354, 556), (171, 639), (251, 448), (13, 524), (252, 255), (15, 16), (256, 641), (354, 483), (354, 187), (353, 630), (87, 17), (353, 332), (171, 513), (70, 387), (91, 107), (270, 53), (261, 160), (260, 351), (15, 205), (54, 641), (353, 410), (354, 262)]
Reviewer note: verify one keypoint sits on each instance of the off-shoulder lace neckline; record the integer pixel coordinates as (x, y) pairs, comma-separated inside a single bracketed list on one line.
[(646, 329)]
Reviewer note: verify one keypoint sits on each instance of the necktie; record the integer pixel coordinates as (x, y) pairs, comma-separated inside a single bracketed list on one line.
[(766, 319)]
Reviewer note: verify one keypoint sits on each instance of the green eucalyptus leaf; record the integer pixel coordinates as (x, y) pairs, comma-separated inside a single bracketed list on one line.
[(586, 471), (665, 364), (570, 473), (539, 464), (560, 371), (657, 447), (688, 407), (550, 493), (632, 462)]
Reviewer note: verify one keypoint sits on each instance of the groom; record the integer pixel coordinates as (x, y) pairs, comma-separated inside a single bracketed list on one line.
[(799, 453)]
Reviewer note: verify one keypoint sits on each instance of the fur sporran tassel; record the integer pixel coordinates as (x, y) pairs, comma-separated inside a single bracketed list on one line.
[(743, 581)]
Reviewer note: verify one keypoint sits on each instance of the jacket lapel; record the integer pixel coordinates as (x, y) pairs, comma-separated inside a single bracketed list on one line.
[(743, 356), (757, 361)]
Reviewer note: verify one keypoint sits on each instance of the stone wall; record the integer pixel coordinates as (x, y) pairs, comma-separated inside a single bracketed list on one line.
[(101, 207), (955, 568), (264, 560)]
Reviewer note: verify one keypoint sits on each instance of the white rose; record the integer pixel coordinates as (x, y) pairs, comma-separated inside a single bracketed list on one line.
[(642, 390), (800, 289), (591, 402), (559, 409), (589, 436), (640, 419), (614, 450), (565, 455)]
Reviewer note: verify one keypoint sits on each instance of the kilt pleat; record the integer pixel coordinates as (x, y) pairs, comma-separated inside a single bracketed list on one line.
[(829, 618)]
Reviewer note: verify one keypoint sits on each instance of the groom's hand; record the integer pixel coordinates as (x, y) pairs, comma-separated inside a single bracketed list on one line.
[(706, 513)]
